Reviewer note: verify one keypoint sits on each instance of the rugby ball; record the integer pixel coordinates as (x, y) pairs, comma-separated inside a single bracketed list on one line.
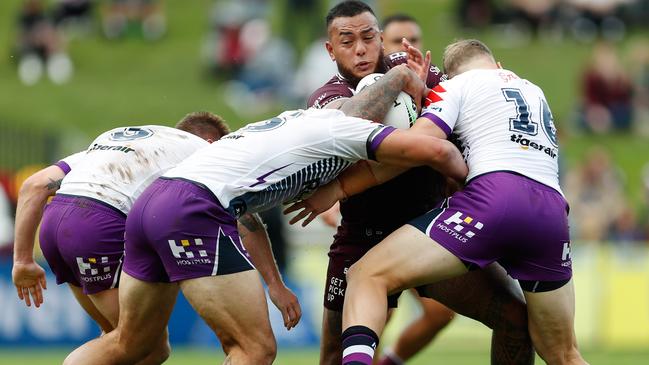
[(404, 109)]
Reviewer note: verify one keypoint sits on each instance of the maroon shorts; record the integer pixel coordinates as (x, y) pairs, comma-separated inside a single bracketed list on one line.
[(349, 248)]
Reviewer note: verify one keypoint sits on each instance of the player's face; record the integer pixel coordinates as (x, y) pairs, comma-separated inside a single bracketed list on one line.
[(393, 33), (355, 44)]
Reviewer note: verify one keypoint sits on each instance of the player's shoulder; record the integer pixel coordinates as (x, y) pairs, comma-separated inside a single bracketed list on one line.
[(336, 88)]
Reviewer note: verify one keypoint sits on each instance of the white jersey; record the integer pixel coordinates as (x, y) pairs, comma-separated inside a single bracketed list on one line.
[(281, 159), (121, 163), (502, 121)]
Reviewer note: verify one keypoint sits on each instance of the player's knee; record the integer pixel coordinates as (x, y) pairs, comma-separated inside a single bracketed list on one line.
[(263, 352)]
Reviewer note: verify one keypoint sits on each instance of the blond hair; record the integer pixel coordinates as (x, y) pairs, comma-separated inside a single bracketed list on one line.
[(460, 52)]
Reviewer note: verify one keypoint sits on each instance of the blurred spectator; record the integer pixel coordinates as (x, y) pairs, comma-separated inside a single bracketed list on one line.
[(595, 193), (625, 228), (590, 19), (266, 77), (145, 16), (73, 15), (40, 46), (607, 92), (476, 13), (398, 26), (640, 75), (314, 71), (223, 49), (533, 16)]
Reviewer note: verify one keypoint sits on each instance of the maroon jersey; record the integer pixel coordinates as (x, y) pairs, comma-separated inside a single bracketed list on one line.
[(372, 215)]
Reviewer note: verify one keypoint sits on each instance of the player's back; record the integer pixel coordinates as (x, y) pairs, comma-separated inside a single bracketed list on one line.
[(120, 163), (280, 159), (503, 123)]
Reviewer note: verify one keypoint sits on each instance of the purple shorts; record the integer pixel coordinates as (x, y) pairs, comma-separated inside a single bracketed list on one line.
[(508, 218), (82, 240), (178, 230)]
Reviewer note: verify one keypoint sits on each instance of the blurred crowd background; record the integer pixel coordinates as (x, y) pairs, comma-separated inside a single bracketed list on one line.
[(70, 69)]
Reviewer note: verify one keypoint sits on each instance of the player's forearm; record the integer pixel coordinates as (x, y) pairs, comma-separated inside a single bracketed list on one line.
[(31, 201), (448, 160), (364, 175), (255, 239), (374, 102)]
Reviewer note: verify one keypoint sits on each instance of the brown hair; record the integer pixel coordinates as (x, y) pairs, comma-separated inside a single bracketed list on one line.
[(459, 52), (204, 124)]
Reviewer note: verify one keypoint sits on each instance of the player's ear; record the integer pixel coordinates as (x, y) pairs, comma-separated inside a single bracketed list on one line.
[(330, 50)]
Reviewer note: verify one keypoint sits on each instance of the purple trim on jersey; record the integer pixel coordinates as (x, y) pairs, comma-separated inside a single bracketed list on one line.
[(63, 166), (439, 122), (376, 139), (262, 179)]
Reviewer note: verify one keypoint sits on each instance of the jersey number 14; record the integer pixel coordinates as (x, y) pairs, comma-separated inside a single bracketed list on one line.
[(523, 122)]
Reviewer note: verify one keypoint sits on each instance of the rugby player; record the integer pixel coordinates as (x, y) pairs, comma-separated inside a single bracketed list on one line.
[(396, 27), (355, 44), (181, 232), (82, 229), (512, 210)]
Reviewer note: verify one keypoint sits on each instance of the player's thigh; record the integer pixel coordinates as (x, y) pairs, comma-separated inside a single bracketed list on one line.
[(551, 318), (407, 258), (104, 323), (144, 309), (107, 302), (433, 309), (487, 295), (233, 305)]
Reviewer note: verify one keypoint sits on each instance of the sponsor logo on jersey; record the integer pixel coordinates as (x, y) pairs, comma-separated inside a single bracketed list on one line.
[(189, 253), (94, 269), (459, 227), (527, 144), (131, 134), (102, 147)]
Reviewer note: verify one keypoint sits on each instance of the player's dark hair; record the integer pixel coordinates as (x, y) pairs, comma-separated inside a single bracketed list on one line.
[(461, 51), (204, 124), (347, 9), (397, 18)]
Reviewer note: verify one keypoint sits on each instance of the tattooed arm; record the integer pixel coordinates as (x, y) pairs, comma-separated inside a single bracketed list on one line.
[(375, 101), (28, 276), (255, 239)]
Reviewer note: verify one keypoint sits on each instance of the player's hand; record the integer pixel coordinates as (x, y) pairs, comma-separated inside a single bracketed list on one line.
[(331, 217), (417, 62), (287, 303), (320, 201), (29, 279)]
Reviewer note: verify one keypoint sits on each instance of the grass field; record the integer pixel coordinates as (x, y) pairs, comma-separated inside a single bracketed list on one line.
[(310, 356)]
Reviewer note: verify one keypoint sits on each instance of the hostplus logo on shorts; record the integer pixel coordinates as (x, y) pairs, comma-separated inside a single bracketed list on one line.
[(462, 228), (93, 269), (189, 253)]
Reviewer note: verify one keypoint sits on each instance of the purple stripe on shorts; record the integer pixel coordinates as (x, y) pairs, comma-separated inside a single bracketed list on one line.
[(63, 166), (439, 122), (376, 139), (358, 357)]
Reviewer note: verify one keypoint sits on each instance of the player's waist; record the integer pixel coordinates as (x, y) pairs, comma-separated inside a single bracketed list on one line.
[(87, 202), (538, 182)]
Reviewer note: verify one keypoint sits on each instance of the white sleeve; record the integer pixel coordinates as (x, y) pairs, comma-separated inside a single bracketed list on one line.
[(68, 163), (443, 105), (357, 139)]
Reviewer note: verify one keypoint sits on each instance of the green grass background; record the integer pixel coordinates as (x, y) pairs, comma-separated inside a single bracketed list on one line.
[(310, 356)]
